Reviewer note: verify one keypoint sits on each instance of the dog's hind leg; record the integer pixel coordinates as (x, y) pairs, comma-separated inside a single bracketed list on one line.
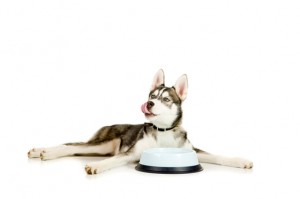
[(205, 157), (70, 149)]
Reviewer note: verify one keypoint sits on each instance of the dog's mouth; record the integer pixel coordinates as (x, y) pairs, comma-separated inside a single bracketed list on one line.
[(146, 111)]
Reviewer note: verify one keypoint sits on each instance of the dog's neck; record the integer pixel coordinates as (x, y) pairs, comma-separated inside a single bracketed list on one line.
[(163, 129), (163, 125)]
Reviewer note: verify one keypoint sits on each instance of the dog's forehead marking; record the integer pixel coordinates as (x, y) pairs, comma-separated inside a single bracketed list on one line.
[(165, 94), (161, 92), (158, 91), (169, 92)]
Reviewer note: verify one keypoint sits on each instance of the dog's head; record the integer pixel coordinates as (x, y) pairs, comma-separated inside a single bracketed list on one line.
[(163, 107)]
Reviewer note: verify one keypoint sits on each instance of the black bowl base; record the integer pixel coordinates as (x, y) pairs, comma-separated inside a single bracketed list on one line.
[(169, 170)]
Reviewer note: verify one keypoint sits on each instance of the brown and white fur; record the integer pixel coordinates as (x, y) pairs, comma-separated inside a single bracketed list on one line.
[(125, 143)]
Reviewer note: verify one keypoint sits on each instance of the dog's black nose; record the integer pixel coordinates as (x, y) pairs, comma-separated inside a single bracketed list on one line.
[(150, 104)]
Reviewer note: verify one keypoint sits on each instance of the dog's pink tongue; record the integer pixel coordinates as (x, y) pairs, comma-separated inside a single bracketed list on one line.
[(145, 109)]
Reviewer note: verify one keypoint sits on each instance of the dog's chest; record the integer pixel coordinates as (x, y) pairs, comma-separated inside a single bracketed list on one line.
[(161, 139), (166, 139)]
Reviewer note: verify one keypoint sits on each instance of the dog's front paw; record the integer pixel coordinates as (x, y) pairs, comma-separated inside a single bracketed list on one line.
[(243, 163), (248, 164), (95, 168), (90, 170)]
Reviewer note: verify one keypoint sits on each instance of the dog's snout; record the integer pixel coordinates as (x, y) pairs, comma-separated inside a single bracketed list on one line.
[(150, 104)]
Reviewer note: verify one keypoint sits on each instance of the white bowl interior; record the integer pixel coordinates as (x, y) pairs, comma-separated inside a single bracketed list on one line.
[(169, 157)]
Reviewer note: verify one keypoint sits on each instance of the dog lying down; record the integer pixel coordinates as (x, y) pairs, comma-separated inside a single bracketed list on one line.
[(126, 142)]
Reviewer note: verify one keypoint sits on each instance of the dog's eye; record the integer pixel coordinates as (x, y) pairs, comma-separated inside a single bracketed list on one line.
[(166, 99), (152, 96)]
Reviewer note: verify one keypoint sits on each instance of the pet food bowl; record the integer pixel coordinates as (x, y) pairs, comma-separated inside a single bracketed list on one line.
[(169, 161)]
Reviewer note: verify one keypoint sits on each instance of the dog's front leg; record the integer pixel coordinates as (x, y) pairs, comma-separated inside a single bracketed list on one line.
[(115, 161), (225, 161)]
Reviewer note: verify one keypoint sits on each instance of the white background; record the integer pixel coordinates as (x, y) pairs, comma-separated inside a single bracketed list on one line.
[(69, 67)]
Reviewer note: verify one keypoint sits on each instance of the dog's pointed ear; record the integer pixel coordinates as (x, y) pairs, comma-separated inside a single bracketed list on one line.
[(158, 80), (181, 87)]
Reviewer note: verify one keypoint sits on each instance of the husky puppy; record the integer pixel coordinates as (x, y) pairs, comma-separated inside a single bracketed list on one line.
[(126, 142)]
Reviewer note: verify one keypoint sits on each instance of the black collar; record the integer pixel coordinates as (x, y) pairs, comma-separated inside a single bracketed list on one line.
[(161, 129)]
